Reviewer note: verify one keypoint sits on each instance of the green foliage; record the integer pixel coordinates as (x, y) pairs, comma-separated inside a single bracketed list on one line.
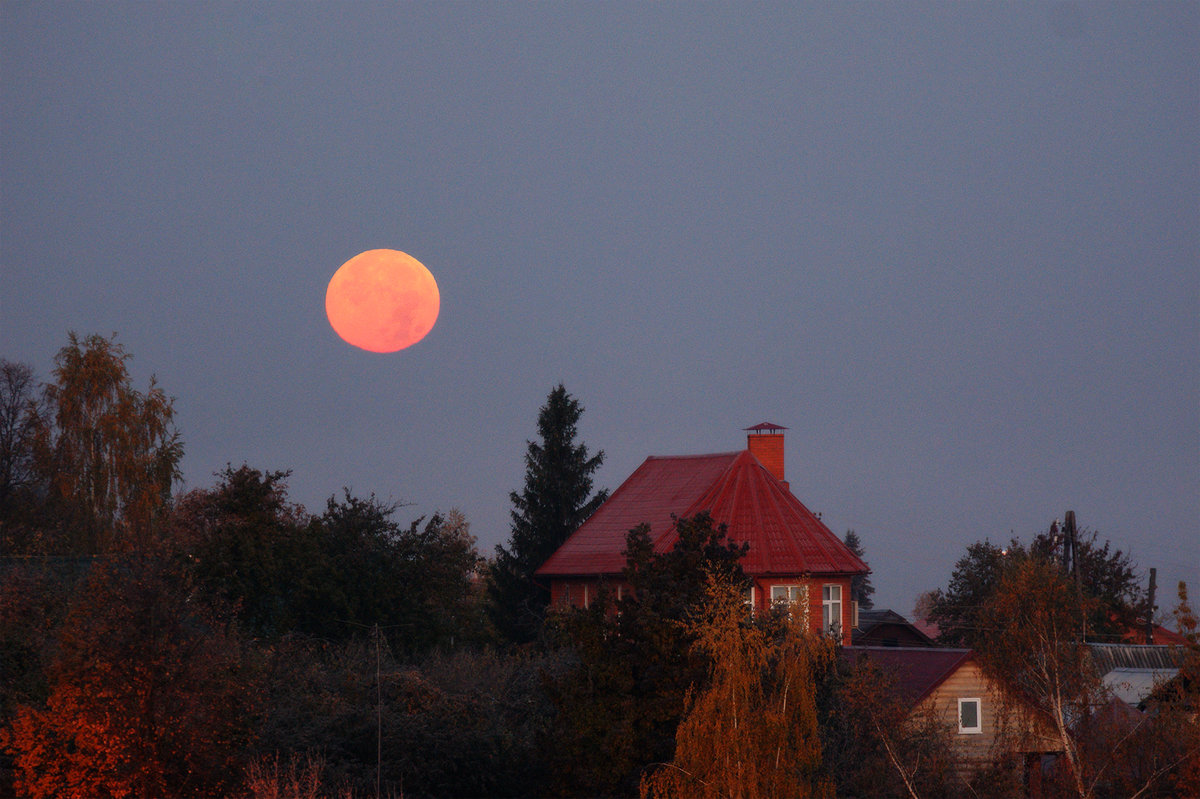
[(556, 499), (1105, 575), (976, 577), (467, 723), (619, 708), (336, 575), (860, 584), (248, 546)]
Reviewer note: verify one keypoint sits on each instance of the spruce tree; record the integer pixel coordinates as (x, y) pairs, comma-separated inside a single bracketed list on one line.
[(556, 499), (860, 585)]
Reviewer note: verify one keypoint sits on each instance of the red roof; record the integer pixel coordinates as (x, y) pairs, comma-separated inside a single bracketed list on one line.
[(785, 537)]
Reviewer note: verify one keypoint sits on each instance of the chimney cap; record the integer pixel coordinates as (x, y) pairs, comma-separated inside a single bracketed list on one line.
[(765, 427)]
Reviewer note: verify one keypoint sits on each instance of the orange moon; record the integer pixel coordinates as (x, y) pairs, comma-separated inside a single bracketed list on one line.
[(382, 301)]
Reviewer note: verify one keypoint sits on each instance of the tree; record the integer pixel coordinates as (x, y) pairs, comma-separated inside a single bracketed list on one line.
[(976, 576), (620, 707), (416, 582), (1104, 574), (110, 453), (751, 730), (1035, 650), (247, 546), (860, 585), (873, 742), (148, 696), (556, 499), (21, 412)]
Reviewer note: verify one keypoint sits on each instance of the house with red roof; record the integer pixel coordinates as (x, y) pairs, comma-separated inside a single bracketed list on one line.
[(794, 560)]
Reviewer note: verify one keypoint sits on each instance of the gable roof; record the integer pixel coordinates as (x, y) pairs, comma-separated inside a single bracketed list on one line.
[(917, 670), (785, 537), (885, 620)]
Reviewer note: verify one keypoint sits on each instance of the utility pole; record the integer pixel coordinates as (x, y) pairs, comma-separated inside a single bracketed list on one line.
[(378, 715), (1150, 609), (1071, 543)]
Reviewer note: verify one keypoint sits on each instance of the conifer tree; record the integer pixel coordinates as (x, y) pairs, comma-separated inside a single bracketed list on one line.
[(860, 585), (556, 499)]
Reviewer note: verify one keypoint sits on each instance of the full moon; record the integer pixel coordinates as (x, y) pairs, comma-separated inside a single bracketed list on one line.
[(382, 301)]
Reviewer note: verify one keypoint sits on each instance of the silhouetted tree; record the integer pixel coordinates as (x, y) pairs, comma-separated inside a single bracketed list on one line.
[(248, 546), (620, 707), (22, 408), (860, 584), (556, 499), (1105, 574), (873, 741)]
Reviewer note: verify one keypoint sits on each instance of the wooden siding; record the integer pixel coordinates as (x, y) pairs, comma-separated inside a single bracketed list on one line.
[(1001, 723)]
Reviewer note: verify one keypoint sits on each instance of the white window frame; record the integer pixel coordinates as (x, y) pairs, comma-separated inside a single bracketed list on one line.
[(750, 597), (585, 596), (795, 595), (828, 603), (978, 728)]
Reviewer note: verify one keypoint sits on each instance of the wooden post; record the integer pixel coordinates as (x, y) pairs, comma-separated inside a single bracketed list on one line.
[(1150, 610)]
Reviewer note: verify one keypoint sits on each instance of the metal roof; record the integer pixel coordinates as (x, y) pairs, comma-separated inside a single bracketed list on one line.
[(1108, 657), (785, 537)]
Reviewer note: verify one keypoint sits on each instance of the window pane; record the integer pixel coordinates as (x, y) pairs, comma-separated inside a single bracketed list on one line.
[(970, 714)]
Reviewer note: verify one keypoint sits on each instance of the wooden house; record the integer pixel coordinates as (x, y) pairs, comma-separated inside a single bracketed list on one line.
[(794, 560), (984, 723)]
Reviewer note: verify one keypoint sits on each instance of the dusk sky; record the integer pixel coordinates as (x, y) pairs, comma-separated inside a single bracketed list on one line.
[(953, 247)]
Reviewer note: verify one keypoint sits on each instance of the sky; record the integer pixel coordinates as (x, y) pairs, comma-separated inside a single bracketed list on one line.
[(953, 247)]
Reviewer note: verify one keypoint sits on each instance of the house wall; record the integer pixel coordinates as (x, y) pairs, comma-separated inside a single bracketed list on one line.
[(762, 600), (1011, 725), (581, 593)]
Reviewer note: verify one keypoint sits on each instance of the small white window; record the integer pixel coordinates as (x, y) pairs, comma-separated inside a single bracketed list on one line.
[(586, 597), (970, 719), (750, 600), (831, 607)]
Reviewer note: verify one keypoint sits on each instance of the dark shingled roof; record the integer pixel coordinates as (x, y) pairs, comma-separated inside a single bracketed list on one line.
[(785, 537), (917, 670)]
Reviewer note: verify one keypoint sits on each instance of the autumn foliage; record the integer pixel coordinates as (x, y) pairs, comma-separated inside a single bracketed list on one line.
[(147, 696), (751, 731)]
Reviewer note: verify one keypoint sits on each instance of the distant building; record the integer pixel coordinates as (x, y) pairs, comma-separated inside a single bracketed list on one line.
[(1132, 671), (794, 560), (888, 628)]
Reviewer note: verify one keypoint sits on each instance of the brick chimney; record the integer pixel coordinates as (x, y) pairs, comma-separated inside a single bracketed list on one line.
[(765, 442)]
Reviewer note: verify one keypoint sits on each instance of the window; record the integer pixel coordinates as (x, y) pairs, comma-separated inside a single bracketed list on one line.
[(750, 600), (831, 607), (970, 719), (792, 598)]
